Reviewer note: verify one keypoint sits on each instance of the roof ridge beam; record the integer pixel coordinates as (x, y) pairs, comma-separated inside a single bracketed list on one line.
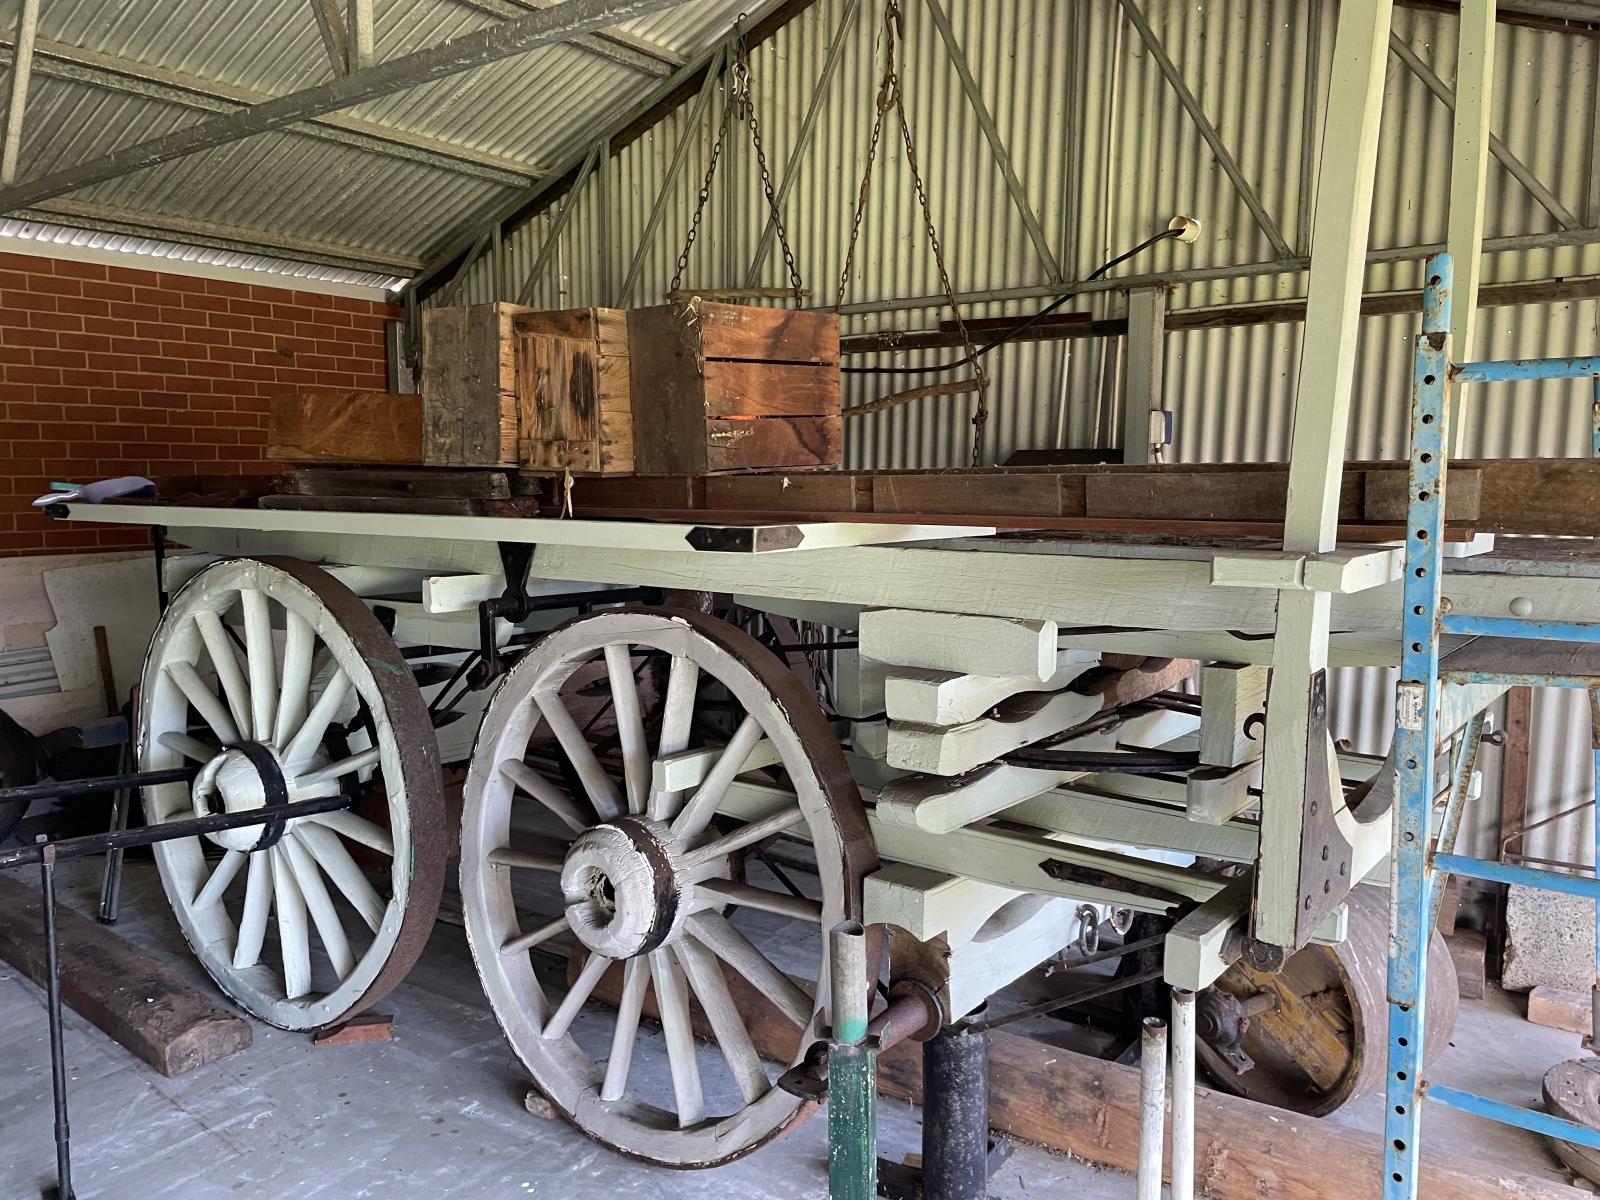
[(479, 48)]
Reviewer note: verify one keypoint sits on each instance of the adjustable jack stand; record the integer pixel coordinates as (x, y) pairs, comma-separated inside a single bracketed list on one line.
[(958, 1154)]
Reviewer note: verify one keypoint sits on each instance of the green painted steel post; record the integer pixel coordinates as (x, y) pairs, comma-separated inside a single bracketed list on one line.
[(852, 1071)]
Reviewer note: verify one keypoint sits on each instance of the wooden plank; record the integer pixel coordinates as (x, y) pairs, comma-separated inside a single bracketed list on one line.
[(1089, 1109), (669, 415), (573, 391), (763, 389), (352, 427), (1013, 493), (1539, 495), (469, 387), (632, 493), (819, 491), (1558, 1008), (764, 334), (135, 999), (1208, 495), (773, 442), (398, 481), (1386, 496)]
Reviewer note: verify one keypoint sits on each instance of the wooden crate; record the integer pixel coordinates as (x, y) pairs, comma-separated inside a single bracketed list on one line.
[(573, 388), (469, 386), (727, 387)]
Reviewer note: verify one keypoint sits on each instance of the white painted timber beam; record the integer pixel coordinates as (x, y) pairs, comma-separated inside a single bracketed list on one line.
[(960, 642), (1317, 451), (1230, 695), (946, 698), (1469, 173), (957, 749), (939, 805)]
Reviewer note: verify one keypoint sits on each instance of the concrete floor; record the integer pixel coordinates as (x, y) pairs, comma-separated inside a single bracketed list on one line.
[(439, 1111)]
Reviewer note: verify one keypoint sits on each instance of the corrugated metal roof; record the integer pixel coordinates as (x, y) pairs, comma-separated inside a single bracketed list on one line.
[(322, 198)]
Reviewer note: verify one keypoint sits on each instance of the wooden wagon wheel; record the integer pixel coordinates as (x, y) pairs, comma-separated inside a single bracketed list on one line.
[(644, 876), (270, 666)]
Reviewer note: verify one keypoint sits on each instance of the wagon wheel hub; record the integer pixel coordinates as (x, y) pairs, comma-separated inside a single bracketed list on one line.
[(623, 887), (235, 782)]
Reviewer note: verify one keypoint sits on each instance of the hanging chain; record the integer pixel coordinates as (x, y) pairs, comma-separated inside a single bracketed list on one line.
[(740, 104), (890, 97)]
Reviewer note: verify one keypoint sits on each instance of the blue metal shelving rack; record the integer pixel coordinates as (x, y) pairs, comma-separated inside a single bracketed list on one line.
[(1538, 653)]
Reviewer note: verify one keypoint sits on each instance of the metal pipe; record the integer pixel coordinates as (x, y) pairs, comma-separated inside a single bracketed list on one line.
[(74, 789), (852, 1070), (1152, 1105), (1594, 994), (1182, 1094), (58, 1054), (847, 965), (168, 831), (955, 1113)]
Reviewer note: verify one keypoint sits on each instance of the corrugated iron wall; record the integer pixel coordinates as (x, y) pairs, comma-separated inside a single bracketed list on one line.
[(1104, 154)]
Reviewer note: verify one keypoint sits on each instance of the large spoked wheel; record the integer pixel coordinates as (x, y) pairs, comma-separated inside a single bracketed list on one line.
[(268, 668), (648, 878)]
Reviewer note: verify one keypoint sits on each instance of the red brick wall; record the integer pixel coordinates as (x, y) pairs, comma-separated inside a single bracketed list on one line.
[(108, 370)]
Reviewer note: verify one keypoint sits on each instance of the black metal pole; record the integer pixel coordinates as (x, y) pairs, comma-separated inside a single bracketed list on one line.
[(58, 1055), (74, 789), (168, 831), (111, 880), (955, 1113)]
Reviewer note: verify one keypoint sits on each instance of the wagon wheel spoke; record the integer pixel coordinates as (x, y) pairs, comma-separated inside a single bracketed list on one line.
[(219, 647), (711, 989), (261, 661), (293, 939), (299, 650), (602, 791), (635, 982), (672, 999), (257, 903), (324, 915), (577, 996), (205, 701), (355, 827), (189, 747), (329, 853), (308, 738), (677, 722), (720, 891), (718, 935), (529, 860), (755, 831), (345, 766), (630, 726), (221, 876), (546, 793), (527, 941), (693, 818)]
